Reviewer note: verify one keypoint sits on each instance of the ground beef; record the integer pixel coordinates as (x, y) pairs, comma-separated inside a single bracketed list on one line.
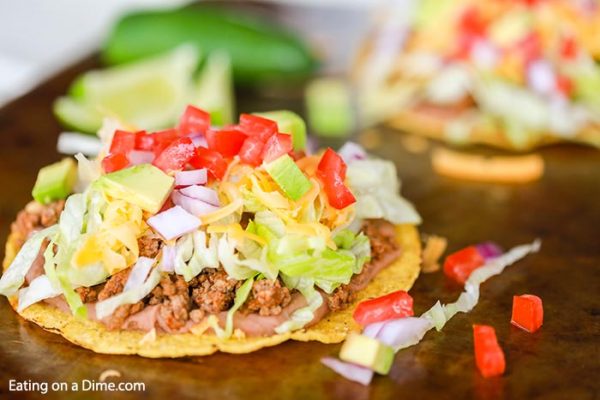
[(172, 293), (114, 285), (117, 318), (89, 294), (34, 217), (382, 236), (268, 297), (149, 246), (213, 291)]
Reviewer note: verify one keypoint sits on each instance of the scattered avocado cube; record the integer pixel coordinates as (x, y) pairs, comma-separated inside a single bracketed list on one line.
[(368, 352), (289, 122), (55, 181), (143, 185), (289, 177)]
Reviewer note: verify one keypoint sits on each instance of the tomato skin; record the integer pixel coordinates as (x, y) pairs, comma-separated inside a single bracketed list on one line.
[(251, 151), (489, 356), (332, 163), (391, 306), (194, 121), (276, 146), (227, 142), (211, 160), (162, 139), (527, 312), (253, 125), (176, 155), (122, 142), (114, 162), (459, 265), (143, 141)]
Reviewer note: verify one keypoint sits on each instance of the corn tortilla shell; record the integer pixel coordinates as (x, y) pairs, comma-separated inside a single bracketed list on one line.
[(332, 329)]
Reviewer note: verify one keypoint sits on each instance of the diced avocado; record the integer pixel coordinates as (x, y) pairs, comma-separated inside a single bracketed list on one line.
[(511, 28), (55, 181), (143, 185), (329, 107), (368, 352), (289, 122), (288, 176)]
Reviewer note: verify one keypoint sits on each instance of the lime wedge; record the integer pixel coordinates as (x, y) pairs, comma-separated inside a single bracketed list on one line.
[(148, 94), (213, 91)]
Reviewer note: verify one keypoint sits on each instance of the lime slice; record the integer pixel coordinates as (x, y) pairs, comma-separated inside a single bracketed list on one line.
[(148, 94), (213, 91)]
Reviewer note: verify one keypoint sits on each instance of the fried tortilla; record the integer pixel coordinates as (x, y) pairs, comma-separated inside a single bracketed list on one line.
[(334, 328)]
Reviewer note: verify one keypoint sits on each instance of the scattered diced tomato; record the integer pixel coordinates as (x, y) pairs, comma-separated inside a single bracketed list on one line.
[(460, 264), (227, 142), (276, 146), (251, 150), (162, 139), (471, 22), (114, 162), (122, 142), (211, 160), (530, 47), (253, 125), (489, 356), (332, 163), (568, 48), (176, 155), (193, 121), (391, 306), (527, 312), (144, 141), (564, 85)]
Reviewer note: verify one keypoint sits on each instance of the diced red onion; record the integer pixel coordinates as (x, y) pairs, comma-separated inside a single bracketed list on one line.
[(489, 250), (174, 222), (349, 371), (193, 177), (137, 157), (203, 193), (312, 146), (194, 206), (541, 77), (351, 151), (139, 272), (485, 54), (75, 142), (402, 332), (199, 141), (373, 329), (167, 260)]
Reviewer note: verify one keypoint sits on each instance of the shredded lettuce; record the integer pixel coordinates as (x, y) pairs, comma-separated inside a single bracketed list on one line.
[(303, 316), (14, 276), (39, 289), (240, 298), (375, 185), (106, 307)]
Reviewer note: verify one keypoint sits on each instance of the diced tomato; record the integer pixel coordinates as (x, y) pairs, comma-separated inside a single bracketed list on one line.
[(277, 145), (122, 142), (472, 22), (332, 163), (338, 194), (568, 48), (251, 150), (114, 162), (211, 160), (176, 155), (227, 142), (530, 47), (143, 141), (564, 85), (162, 139), (460, 264), (391, 306), (193, 121), (253, 125), (489, 356), (527, 312)]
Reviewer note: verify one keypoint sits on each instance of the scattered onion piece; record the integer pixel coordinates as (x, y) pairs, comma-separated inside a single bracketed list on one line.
[(193, 177), (505, 169), (137, 157), (351, 151), (489, 250), (139, 272), (205, 194), (193, 206), (435, 246), (349, 371), (174, 222)]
